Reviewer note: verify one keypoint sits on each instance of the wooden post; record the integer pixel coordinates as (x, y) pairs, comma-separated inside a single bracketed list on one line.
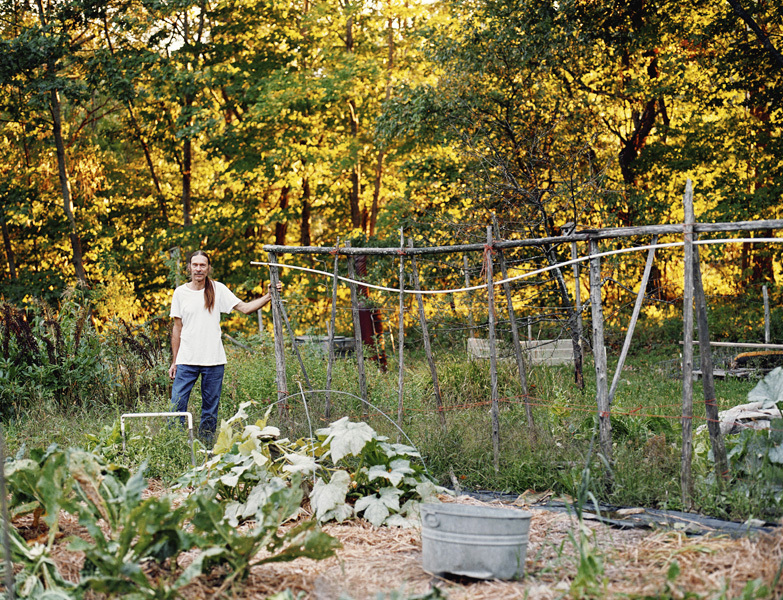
[(401, 333), (357, 333), (522, 368), (469, 295), (577, 295), (277, 327), (686, 477), (332, 325), (766, 314), (599, 355), (493, 360), (707, 379), (260, 322), (636, 309), (291, 335), (426, 335), (569, 229)]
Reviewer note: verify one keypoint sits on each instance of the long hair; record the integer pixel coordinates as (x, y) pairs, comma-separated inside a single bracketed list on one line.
[(209, 289)]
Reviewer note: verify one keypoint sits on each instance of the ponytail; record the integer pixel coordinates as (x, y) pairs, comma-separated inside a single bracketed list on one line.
[(209, 294)]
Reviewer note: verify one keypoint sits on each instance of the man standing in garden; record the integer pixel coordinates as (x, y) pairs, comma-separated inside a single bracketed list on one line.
[(196, 346)]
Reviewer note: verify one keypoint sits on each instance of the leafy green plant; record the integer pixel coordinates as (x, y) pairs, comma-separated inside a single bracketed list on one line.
[(38, 485), (127, 531), (54, 357), (354, 470), (367, 475), (271, 503)]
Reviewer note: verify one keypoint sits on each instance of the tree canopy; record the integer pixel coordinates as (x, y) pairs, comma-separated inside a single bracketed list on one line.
[(135, 132)]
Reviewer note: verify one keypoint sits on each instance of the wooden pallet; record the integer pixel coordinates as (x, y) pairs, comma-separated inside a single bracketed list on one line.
[(538, 352)]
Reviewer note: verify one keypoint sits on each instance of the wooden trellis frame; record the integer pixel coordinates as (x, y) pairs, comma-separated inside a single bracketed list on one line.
[(693, 288)]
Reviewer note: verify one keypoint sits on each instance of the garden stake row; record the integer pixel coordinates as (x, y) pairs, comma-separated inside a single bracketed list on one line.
[(604, 393)]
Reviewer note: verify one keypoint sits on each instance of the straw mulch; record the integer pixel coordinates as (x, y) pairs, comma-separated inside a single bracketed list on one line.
[(377, 561)]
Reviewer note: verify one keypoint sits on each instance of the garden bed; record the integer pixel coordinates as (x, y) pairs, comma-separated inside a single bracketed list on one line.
[(614, 563)]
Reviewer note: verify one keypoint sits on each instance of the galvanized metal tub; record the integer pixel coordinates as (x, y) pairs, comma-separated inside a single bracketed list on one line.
[(474, 541)]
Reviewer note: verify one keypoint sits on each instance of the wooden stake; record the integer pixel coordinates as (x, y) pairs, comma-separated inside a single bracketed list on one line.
[(332, 325), (401, 333), (493, 360), (577, 295), (632, 325), (686, 477), (292, 337), (357, 334), (766, 314), (599, 356), (277, 328), (521, 367), (426, 335), (707, 379)]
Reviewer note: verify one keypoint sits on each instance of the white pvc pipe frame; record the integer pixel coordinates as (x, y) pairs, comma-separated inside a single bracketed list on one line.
[(531, 273), (161, 414)]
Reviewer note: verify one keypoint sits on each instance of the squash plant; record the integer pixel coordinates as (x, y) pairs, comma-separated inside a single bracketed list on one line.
[(355, 472), (128, 531)]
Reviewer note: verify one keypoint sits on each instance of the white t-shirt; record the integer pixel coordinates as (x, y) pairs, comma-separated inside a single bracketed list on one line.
[(200, 342)]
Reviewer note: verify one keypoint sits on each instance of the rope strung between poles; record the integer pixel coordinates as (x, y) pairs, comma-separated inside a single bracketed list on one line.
[(529, 274)]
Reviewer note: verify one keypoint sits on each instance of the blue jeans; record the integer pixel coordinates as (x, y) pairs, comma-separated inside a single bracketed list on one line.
[(211, 386)]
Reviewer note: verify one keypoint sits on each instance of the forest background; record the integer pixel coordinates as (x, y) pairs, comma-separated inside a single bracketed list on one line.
[(129, 128)]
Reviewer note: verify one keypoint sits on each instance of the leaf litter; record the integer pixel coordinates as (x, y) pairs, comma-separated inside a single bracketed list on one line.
[(379, 562)]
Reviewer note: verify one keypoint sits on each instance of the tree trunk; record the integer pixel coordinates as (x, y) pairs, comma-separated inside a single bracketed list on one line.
[(65, 184), (356, 217), (187, 164), (376, 194), (9, 251), (304, 238), (62, 167), (281, 227)]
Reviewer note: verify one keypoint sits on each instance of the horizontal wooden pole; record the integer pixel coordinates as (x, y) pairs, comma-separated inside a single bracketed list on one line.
[(745, 345), (581, 236)]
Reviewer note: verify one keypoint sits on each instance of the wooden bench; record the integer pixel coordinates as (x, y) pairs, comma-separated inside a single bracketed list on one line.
[(538, 352)]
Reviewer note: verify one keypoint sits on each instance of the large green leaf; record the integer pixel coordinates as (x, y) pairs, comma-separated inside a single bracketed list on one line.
[(345, 438), (378, 507), (328, 499), (396, 472)]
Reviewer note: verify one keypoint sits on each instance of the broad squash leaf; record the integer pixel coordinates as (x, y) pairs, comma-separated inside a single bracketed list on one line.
[(328, 499), (345, 438)]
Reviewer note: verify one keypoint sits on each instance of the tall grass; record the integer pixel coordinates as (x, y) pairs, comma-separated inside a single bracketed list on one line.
[(548, 454)]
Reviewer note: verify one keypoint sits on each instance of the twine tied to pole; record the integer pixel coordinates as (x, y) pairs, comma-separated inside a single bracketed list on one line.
[(489, 250)]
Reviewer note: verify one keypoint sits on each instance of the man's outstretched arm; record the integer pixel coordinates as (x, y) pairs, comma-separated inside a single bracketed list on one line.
[(254, 305)]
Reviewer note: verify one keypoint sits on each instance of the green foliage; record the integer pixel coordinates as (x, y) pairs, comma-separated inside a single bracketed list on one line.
[(355, 471), (50, 357), (138, 359), (127, 531), (589, 580), (271, 503)]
